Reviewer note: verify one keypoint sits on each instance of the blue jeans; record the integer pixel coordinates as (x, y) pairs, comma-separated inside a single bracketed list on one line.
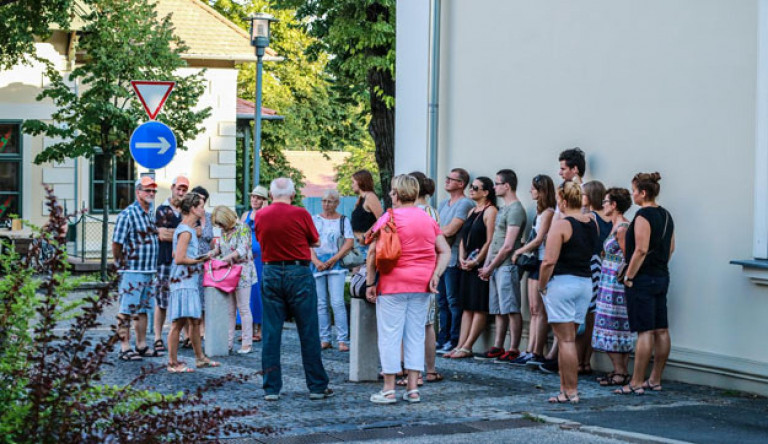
[(450, 307), (290, 289), (331, 286)]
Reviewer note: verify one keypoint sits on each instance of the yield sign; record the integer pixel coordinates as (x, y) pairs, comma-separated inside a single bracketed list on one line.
[(152, 94)]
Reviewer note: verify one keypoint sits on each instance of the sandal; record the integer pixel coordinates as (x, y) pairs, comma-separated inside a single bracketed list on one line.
[(128, 356), (629, 390), (652, 387), (611, 379), (462, 353), (257, 337), (408, 396), (186, 343), (403, 382), (206, 363), (435, 377), (159, 346), (563, 398), (383, 397), (179, 368), (147, 353)]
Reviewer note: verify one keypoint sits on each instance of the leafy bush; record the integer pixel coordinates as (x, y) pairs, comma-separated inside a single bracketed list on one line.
[(50, 373)]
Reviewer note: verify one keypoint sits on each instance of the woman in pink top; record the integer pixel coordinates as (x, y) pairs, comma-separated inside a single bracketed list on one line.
[(402, 295)]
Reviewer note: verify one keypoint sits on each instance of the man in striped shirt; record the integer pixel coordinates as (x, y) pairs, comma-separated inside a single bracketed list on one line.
[(135, 248)]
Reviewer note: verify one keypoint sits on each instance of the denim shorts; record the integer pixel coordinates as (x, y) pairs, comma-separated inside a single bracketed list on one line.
[(647, 303), (135, 291), (504, 290), (567, 298)]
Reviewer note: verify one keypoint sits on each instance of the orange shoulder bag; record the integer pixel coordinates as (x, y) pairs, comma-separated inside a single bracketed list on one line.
[(388, 248)]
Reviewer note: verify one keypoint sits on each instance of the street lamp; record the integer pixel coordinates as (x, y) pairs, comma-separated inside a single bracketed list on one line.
[(260, 40)]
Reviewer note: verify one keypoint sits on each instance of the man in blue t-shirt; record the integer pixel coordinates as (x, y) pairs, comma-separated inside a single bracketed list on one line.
[(453, 212)]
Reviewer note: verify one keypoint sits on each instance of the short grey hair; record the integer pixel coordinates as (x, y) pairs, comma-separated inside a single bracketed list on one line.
[(282, 187), (332, 194)]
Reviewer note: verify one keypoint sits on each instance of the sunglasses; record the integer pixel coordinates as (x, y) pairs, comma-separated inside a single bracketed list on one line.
[(499, 183), (475, 188), (453, 179), (148, 190)]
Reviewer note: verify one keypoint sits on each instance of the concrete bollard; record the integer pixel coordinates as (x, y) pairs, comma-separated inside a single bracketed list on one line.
[(364, 347), (216, 322)]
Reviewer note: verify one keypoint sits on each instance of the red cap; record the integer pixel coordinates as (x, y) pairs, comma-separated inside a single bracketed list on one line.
[(181, 180), (147, 182)]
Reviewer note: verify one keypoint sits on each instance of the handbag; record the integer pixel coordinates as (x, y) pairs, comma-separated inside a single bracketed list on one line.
[(354, 257), (527, 262), (388, 249), (221, 275)]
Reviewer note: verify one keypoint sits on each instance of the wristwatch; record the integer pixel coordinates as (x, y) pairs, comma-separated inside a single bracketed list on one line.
[(627, 281)]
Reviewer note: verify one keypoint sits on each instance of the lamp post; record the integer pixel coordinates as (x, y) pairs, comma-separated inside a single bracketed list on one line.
[(260, 40)]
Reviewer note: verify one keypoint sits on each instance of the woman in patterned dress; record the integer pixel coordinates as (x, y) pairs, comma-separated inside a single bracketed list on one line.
[(235, 248), (611, 333)]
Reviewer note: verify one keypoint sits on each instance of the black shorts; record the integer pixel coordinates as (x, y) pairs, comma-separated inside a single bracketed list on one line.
[(535, 273), (647, 303)]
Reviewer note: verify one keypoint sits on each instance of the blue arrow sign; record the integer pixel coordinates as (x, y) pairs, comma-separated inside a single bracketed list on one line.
[(153, 145)]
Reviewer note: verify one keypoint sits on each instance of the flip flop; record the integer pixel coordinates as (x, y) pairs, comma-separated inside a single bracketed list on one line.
[(652, 387), (206, 363), (462, 353), (638, 391), (566, 398), (179, 369)]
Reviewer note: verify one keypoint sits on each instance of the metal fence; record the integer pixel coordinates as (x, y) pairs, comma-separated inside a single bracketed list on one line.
[(84, 237)]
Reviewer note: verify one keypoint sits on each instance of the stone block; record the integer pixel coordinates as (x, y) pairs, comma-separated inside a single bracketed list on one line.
[(227, 128), (364, 348), (217, 171), (53, 176), (227, 199), (227, 186), (227, 157), (222, 143), (216, 322)]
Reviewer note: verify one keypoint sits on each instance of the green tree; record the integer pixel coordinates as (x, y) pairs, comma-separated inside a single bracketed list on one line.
[(360, 36), (317, 117), (361, 158), (23, 20), (123, 40)]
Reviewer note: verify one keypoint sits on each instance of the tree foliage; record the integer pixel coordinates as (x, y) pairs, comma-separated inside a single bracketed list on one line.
[(360, 36), (361, 158), (23, 20), (122, 41)]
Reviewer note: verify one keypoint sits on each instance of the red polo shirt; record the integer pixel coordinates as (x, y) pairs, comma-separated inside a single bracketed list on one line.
[(285, 232)]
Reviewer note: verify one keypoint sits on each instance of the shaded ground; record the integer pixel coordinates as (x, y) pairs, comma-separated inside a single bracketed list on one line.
[(476, 401)]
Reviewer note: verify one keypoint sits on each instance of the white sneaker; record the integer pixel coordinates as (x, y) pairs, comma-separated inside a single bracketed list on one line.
[(244, 351)]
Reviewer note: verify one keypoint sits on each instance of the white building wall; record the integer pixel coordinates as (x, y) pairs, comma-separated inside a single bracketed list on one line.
[(640, 86)]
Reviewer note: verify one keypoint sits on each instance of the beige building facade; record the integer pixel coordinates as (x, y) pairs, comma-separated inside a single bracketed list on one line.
[(675, 87), (215, 45)]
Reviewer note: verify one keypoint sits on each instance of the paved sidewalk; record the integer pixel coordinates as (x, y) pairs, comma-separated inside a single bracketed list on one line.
[(477, 401)]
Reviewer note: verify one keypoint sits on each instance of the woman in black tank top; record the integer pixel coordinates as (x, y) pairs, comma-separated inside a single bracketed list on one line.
[(565, 280), (649, 245), (368, 208)]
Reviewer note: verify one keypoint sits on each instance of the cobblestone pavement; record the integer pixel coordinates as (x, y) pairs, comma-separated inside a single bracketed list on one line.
[(478, 396)]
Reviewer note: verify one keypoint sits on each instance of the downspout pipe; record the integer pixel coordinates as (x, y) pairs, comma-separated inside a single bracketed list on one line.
[(434, 90)]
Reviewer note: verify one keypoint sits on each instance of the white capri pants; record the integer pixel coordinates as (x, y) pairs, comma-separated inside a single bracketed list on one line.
[(400, 320)]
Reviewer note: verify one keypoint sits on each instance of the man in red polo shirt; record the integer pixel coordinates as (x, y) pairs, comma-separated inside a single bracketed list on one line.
[(286, 233)]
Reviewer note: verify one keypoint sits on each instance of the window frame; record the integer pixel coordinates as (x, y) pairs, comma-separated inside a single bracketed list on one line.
[(19, 159), (115, 182)]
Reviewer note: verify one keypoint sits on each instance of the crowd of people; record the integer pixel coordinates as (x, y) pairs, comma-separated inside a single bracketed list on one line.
[(596, 279)]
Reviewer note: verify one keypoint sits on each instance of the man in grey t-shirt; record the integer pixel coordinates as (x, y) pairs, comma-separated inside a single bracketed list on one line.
[(504, 294), (453, 212)]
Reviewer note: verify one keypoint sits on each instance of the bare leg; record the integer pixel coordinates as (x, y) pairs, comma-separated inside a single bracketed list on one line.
[(413, 379), (201, 326), (194, 337), (124, 331), (662, 346), (502, 323), (159, 321), (584, 343), (567, 358), (466, 325), (140, 325), (173, 341), (429, 348), (538, 326), (642, 356), (477, 327), (552, 353), (619, 361), (515, 331)]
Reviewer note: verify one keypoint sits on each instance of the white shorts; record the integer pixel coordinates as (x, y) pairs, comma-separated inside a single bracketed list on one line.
[(567, 298)]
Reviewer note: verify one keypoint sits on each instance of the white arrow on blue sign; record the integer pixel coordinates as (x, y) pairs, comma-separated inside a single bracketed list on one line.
[(153, 145)]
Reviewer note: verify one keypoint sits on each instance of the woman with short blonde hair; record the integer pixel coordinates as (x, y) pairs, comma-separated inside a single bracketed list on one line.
[(234, 247)]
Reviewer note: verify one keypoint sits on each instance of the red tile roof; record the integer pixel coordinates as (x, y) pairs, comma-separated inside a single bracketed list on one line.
[(246, 108)]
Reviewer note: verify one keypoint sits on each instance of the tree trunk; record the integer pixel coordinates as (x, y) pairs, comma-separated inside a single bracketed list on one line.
[(107, 174), (382, 128)]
